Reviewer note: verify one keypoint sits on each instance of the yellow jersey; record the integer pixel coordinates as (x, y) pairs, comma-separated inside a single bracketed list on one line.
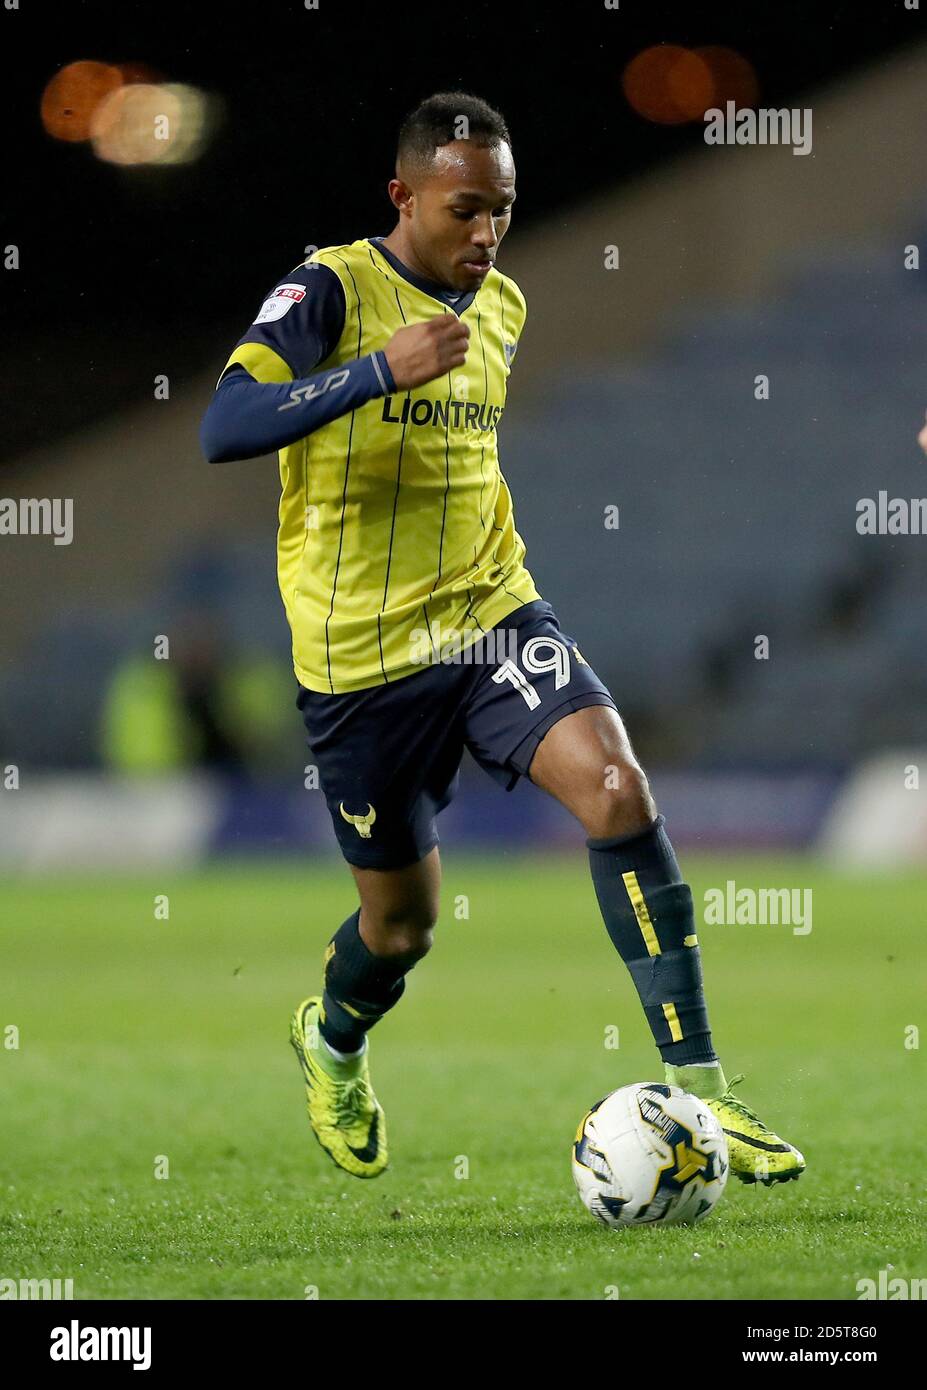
[(397, 532)]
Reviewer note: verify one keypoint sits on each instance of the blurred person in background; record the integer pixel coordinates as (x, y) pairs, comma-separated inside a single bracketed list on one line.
[(197, 709)]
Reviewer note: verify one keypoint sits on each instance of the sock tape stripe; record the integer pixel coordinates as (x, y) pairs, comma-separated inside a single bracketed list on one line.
[(640, 912), (669, 1013)]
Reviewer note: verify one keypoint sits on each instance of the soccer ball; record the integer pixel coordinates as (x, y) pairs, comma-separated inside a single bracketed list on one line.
[(650, 1153)]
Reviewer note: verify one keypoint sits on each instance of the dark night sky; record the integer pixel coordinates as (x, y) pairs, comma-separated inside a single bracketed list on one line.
[(121, 267)]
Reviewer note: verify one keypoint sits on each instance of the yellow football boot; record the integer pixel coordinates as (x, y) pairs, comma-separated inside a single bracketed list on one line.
[(345, 1115), (756, 1154)]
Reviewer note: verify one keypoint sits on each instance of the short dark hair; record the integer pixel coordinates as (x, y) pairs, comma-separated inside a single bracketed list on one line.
[(434, 122)]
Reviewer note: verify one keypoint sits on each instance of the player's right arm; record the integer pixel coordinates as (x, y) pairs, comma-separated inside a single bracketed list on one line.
[(268, 396)]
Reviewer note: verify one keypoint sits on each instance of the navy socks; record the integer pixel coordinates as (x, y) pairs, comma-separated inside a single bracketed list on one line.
[(649, 915)]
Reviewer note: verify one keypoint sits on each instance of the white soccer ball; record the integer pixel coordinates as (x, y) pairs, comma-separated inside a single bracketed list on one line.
[(650, 1153)]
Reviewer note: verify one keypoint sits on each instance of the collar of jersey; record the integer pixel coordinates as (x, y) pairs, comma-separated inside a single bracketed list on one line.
[(429, 287)]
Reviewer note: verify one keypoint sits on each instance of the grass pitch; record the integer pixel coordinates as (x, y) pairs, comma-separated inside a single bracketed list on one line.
[(143, 1040)]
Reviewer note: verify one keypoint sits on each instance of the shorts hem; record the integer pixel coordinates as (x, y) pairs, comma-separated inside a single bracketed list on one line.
[(520, 759), (385, 860)]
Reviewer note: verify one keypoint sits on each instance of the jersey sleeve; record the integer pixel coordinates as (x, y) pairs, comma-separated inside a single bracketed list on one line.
[(269, 394), (297, 326)]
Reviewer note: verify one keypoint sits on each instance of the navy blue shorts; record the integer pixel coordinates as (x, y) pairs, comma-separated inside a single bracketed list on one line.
[(389, 756)]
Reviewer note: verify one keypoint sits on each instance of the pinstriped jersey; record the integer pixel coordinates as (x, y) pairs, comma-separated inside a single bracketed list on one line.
[(396, 525)]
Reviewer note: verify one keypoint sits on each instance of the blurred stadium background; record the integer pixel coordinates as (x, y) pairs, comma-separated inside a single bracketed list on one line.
[(132, 267), (168, 879)]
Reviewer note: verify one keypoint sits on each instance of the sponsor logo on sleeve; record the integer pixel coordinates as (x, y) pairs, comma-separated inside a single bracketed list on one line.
[(280, 302)]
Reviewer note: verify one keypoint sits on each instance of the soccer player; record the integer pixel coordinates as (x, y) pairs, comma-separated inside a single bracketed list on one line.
[(379, 370)]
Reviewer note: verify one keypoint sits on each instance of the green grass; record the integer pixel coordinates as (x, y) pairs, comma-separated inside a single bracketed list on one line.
[(141, 1037)]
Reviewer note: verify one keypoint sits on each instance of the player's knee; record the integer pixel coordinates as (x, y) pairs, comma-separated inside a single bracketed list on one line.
[(406, 930), (620, 802)]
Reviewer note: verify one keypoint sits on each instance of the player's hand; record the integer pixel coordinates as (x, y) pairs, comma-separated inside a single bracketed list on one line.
[(422, 351), (922, 438)]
